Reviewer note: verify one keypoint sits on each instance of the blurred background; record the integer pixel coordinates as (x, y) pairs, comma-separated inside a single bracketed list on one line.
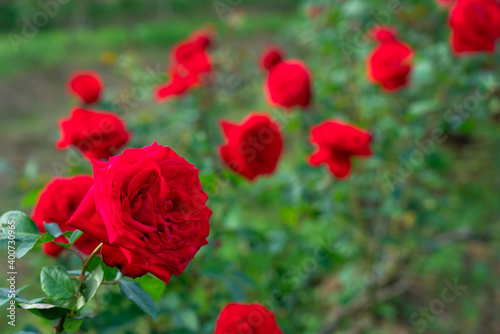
[(408, 244)]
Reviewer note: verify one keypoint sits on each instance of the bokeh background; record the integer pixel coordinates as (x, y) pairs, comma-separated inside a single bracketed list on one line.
[(377, 253)]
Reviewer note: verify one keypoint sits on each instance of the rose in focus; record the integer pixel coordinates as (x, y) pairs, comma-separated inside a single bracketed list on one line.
[(148, 208)]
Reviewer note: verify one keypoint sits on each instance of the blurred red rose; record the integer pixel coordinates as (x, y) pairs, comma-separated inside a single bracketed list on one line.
[(246, 318), (475, 25), (56, 204), (313, 11), (390, 63), (288, 82), (86, 85), (149, 211), (191, 54), (97, 134), (253, 147), (178, 85), (336, 143), (189, 61)]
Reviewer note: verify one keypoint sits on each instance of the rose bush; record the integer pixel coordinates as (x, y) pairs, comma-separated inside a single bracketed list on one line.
[(415, 207)]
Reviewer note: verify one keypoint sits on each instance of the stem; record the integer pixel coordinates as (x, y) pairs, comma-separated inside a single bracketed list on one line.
[(82, 274), (60, 325)]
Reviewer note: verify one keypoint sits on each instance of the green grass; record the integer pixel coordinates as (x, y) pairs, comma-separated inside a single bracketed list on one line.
[(49, 48)]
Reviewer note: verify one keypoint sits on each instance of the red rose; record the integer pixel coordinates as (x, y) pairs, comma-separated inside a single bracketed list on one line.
[(189, 60), (56, 203), (253, 147), (86, 85), (97, 134), (177, 86), (389, 64), (336, 143), (149, 211), (288, 82), (475, 25), (191, 54), (246, 319)]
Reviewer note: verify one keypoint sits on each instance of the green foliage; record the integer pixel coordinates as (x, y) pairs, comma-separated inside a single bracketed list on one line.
[(154, 286), (133, 291)]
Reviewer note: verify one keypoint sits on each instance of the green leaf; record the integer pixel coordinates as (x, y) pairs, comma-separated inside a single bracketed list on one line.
[(110, 273), (74, 236), (154, 286), (133, 291), (56, 283), (43, 239), (19, 231), (46, 311), (5, 292), (39, 306), (72, 324), (53, 229), (92, 283)]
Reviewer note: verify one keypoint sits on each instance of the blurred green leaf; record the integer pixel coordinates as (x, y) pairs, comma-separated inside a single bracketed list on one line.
[(53, 229), (71, 324), (154, 286), (133, 291)]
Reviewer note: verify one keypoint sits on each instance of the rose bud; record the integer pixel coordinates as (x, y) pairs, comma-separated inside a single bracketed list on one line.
[(288, 82), (96, 134), (390, 63), (149, 210), (475, 25), (56, 204), (336, 143), (252, 147), (86, 86), (246, 318)]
